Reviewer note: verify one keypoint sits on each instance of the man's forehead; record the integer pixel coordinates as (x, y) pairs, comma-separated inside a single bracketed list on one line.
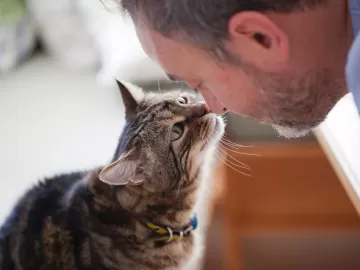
[(146, 39), (157, 45), (175, 58), (153, 43)]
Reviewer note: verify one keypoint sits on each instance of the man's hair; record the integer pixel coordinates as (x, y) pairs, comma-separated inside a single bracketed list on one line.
[(203, 22)]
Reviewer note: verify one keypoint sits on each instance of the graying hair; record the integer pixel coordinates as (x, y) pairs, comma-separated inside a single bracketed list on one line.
[(203, 23)]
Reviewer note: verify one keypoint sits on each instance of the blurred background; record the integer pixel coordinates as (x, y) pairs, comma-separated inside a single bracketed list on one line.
[(60, 111)]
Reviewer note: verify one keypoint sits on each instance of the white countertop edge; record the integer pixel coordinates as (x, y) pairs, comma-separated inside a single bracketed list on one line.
[(340, 137), (332, 144)]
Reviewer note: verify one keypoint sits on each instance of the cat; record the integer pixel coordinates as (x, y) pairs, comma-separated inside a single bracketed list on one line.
[(135, 213)]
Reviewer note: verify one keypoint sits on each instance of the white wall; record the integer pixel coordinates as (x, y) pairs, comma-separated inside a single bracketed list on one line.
[(52, 122)]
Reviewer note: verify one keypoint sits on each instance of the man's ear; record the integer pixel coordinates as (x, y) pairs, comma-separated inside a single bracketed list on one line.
[(122, 171), (258, 40), (132, 96)]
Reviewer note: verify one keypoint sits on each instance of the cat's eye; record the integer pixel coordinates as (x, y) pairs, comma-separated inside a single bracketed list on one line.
[(183, 100), (177, 131)]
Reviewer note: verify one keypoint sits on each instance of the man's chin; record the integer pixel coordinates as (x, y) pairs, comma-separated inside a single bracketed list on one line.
[(291, 132)]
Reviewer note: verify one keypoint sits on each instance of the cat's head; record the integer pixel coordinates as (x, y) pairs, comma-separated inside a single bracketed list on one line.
[(165, 140)]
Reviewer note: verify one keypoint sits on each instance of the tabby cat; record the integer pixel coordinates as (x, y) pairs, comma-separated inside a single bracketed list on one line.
[(135, 213)]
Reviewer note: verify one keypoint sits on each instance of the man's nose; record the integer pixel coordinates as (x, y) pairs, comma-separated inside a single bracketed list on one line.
[(206, 108), (200, 109)]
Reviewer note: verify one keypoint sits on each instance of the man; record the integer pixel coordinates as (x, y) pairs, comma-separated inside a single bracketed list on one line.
[(281, 62)]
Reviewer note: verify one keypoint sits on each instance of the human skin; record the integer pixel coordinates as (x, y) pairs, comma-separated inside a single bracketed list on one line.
[(287, 69)]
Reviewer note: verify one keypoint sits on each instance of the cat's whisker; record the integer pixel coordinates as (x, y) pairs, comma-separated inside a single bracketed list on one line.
[(234, 148), (224, 119), (159, 87), (241, 163), (230, 145), (224, 156), (226, 138), (240, 153), (229, 142), (231, 167)]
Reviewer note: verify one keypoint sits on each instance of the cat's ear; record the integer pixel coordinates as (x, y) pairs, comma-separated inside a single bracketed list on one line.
[(132, 97), (122, 171)]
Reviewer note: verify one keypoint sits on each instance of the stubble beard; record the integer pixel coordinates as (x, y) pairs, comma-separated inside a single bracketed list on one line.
[(294, 105)]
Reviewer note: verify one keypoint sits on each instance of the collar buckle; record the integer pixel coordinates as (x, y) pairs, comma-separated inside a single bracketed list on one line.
[(171, 235), (167, 235)]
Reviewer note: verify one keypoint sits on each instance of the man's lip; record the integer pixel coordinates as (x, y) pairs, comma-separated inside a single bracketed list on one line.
[(224, 110)]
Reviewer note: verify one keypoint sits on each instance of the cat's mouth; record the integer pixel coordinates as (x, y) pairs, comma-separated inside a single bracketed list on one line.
[(215, 130)]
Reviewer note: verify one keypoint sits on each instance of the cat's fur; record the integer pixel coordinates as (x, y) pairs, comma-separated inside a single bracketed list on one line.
[(90, 220)]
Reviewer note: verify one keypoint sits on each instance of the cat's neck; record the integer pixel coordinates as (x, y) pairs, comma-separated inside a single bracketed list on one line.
[(173, 210)]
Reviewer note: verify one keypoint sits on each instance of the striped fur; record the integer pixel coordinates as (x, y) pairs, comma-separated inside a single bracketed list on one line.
[(77, 221)]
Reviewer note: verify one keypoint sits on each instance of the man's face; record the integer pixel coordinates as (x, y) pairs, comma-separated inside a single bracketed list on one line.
[(293, 100)]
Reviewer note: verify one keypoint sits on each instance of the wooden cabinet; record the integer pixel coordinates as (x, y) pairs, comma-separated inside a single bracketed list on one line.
[(293, 188)]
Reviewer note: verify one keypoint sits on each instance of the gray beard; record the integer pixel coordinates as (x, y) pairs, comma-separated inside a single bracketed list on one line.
[(291, 132)]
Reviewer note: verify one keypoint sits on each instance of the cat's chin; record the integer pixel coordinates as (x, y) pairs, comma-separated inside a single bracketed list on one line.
[(217, 131), (219, 128)]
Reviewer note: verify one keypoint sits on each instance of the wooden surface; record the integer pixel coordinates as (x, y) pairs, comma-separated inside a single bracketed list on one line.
[(293, 188)]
